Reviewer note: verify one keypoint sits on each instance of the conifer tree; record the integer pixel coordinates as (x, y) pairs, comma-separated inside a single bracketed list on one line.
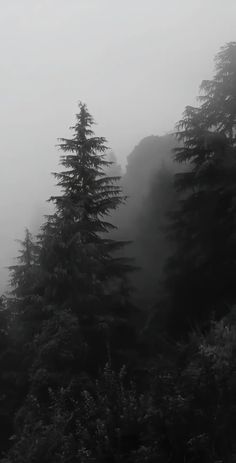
[(83, 270), (77, 254), (20, 321), (25, 304), (201, 273), (23, 278), (26, 284)]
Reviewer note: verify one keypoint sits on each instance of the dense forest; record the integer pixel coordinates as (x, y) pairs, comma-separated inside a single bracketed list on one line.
[(118, 336)]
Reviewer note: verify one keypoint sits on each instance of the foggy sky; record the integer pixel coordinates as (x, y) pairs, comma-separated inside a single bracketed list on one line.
[(135, 63)]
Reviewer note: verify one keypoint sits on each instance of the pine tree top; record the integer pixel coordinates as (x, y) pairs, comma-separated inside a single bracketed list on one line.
[(206, 132)]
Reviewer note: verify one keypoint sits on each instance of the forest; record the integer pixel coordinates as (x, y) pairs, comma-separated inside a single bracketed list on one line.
[(118, 334)]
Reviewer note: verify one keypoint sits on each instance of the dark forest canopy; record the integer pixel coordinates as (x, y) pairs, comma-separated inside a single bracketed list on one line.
[(101, 362)]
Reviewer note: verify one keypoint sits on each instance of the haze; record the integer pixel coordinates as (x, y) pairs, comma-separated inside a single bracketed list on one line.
[(136, 64)]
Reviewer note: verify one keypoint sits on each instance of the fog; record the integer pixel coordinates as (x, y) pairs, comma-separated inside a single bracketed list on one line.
[(136, 65), (142, 220)]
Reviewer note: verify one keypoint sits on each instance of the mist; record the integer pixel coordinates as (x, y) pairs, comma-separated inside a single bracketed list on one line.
[(136, 66), (117, 232), (149, 185)]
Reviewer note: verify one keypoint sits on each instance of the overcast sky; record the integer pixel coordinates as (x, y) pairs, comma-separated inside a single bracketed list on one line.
[(136, 63)]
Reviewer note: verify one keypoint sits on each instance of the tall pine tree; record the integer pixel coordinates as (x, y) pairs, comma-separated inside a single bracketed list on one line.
[(78, 255), (201, 274), (83, 270)]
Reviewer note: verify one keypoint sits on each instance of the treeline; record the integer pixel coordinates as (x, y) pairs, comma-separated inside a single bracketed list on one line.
[(119, 351)]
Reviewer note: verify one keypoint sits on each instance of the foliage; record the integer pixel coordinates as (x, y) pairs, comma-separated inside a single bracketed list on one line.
[(77, 257), (21, 318), (82, 271), (200, 274), (101, 424), (24, 273), (187, 413), (196, 398)]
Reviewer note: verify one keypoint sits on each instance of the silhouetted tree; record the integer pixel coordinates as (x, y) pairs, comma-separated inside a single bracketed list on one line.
[(201, 273), (23, 316), (26, 289), (77, 255), (83, 272)]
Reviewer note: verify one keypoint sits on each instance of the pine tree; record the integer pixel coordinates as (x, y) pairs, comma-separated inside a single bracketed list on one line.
[(83, 270), (25, 297), (201, 273), (26, 283), (23, 273), (78, 256), (20, 321), (25, 304)]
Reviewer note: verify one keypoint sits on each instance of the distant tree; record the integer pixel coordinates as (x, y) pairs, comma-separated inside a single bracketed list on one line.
[(113, 168), (152, 245), (26, 289), (22, 274), (20, 320), (148, 182), (25, 315), (201, 274), (17, 329)]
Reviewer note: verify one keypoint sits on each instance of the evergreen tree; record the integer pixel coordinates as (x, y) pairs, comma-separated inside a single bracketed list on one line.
[(201, 273), (26, 316), (83, 270), (21, 319), (23, 279), (26, 295), (77, 255), (18, 325)]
